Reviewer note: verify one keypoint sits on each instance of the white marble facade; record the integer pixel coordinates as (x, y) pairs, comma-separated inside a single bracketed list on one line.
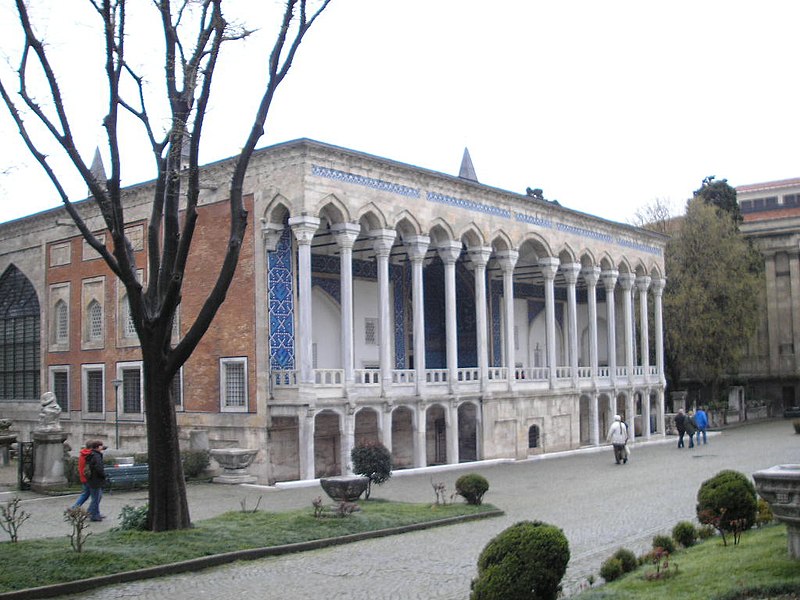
[(450, 320)]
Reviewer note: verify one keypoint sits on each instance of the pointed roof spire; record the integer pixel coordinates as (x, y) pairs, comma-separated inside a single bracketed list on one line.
[(467, 170), (97, 168)]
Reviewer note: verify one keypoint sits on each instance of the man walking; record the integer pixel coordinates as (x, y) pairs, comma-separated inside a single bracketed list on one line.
[(618, 436), (701, 420), (96, 479), (680, 425)]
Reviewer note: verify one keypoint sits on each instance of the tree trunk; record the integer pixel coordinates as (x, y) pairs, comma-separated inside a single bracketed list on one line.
[(168, 507)]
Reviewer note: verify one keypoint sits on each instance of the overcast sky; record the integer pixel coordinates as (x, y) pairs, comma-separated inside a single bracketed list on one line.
[(606, 106)]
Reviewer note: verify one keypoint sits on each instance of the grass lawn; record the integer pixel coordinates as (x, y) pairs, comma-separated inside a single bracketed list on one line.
[(758, 567), (32, 563)]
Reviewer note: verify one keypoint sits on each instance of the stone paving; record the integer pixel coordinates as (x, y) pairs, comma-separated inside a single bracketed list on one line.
[(599, 505)]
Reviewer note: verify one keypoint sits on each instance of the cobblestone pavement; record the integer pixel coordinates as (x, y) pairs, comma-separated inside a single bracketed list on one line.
[(599, 505)]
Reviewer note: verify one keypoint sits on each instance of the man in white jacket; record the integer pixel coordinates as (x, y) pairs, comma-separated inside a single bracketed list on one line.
[(618, 436)]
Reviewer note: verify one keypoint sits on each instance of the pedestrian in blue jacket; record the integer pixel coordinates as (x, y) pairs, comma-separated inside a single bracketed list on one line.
[(701, 420)]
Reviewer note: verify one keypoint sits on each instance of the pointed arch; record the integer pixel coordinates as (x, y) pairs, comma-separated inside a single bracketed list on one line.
[(277, 211), (406, 224), (20, 333), (333, 210), (371, 216), (471, 236)]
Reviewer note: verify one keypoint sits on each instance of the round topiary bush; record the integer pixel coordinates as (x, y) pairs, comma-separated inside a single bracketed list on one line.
[(472, 487), (684, 533), (664, 542), (627, 558), (612, 569), (728, 501), (525, 561), (372, 460)]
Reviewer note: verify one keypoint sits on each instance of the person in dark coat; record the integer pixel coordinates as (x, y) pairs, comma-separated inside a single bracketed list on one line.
[(691, 428), (680, 425), (96, 479)]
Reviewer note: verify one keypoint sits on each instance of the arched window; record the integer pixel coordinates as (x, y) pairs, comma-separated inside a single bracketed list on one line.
[(95, 321), (128, 327), (19, 337), (533, 436), (61, 321)]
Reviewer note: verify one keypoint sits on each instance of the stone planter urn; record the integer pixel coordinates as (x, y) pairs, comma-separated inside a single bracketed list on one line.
[(344, 489), (234, 462), (779, 486)]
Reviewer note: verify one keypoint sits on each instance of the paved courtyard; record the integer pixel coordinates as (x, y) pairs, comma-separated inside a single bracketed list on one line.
[(599, 505)]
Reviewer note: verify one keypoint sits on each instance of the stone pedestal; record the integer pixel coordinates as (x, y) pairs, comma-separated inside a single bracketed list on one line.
[(234, 462), (780, 487), (48, 469), (5, 449)]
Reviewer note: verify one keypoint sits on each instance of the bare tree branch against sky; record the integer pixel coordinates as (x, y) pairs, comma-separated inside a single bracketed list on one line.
[(603, 105)]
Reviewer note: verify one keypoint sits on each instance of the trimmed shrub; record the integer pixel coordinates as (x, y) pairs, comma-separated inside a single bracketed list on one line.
[(685, 534), (627, 558), (526, 561), (372, 460), (728, 501), (194, 462), (472, 487), (612, 569), (133, 518), (705, 532), (664, 542), (764, 514)]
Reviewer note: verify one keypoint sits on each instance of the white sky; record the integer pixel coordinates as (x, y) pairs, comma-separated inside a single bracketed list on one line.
[(604, 105)]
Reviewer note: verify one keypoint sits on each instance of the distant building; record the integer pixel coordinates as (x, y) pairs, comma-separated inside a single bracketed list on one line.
[(771, 369), (374, 300)]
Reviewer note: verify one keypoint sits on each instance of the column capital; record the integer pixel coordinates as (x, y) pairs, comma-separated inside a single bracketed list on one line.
[(346, 234), (479, 255), (591, 275), (449, 251), (549, 266), (658, 286), (642, 283), (626, 281), (416, 246), (570, 272), (507, 259), (609, 278), (304, 227), (271, 233), (383, 239)]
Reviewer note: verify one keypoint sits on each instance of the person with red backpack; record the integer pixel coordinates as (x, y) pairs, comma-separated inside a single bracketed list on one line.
[(86, 493)]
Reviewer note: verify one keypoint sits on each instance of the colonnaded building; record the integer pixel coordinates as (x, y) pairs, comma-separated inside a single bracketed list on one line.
[(374, 300)]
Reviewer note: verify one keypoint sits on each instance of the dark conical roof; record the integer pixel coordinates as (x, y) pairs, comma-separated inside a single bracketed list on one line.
[(467, 171)]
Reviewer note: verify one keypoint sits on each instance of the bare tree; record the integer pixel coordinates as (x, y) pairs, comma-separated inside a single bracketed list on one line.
[(655, 216), (193, 34)]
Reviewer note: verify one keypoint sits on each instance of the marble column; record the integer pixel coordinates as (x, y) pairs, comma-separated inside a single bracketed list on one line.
[(570, 272), (549, 267), (383, 240), (304, 228), (609, 283), (507, 260), (305, 422), (643, 284), (416, 248), (452, 433), (479, 256), (449, 253), (591, 275), (345, 235), (420, 438), (626, 281), (349, 439), (658, 289), (773, 327)]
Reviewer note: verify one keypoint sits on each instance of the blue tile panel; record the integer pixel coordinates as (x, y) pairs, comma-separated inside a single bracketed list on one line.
[(280, 298)]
